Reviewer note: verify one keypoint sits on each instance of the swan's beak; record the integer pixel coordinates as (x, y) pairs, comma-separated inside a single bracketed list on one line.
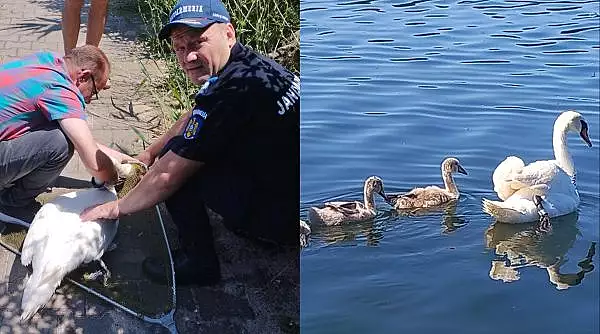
[(462, 170), (382, 194), (584, 134)]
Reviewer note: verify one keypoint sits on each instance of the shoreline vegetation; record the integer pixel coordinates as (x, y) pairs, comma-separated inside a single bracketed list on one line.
[(271, 27)]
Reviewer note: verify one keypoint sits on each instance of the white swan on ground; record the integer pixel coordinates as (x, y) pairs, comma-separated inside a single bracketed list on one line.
[(552, 180), (58, 242)]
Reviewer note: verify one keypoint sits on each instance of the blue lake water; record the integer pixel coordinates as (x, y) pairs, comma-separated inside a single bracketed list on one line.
[(390, 89)]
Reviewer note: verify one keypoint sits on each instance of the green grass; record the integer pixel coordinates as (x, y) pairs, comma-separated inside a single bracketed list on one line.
[(270, 27)]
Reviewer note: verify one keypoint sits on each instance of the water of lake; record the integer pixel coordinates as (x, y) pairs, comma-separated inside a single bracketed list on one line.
[(390, 88)]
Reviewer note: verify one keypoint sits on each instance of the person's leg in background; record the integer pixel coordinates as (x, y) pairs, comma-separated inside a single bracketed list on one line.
[(96, 22), (30, 164), (71, 22)]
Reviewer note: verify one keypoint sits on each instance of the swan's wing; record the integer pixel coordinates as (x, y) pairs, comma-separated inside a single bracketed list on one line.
[(433, 195), (422, 198), (345, 208), (411, 194), (536, 173), (38, 233), (504, 173), (392, 198), (54, 217)]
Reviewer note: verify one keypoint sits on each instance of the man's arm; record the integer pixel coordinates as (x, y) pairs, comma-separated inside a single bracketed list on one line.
[(150, 154), (96, 162), (168, 174)]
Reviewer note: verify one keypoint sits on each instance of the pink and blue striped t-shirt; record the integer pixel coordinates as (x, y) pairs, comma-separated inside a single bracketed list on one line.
[(35, 91)]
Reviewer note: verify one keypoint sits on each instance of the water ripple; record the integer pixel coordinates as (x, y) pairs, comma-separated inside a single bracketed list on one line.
[(377, 10), (505, 36), (536, 44), (421, 10), (339, 57), (503, 6), (409, 4), (578, 30), (565, 51), (409, 59), (557, 9), (485, 61), (359, 79), (358, 2), (308, 9), (436, 16), (561, 65), (562, 24), (344, 16), (536, 13), (563, 39), (380, 41), (426, 34)]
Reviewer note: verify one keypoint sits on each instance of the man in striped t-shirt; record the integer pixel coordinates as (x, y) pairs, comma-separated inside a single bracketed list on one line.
[(42, 119)]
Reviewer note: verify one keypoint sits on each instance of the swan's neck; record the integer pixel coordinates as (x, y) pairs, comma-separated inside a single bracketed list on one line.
[(561, 153), (449, 183), (369, 200)]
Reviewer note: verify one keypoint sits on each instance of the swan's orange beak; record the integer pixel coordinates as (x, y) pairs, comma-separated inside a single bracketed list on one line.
[(584, 134)]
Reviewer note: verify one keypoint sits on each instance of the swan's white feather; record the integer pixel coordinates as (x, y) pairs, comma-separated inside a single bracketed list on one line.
[(503, 175), (58, 242)]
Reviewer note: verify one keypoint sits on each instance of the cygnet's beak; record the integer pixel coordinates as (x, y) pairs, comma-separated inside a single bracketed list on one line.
[(584, 134), (382, 194), (462, 170)]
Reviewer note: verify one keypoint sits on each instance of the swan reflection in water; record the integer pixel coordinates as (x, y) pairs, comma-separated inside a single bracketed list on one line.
[(370, 231), (450, 220), (522, 245)]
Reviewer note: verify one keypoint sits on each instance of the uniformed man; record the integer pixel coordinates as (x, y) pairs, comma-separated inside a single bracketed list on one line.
[(236, 152)]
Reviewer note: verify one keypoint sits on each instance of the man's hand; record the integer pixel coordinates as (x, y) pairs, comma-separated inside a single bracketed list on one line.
[(146, 158), (109, 210)]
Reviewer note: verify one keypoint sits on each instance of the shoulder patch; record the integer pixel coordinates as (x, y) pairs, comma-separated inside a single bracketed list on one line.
[(194, 125)]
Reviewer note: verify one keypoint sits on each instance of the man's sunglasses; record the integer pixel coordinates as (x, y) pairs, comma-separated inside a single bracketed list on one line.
[(95, 91)]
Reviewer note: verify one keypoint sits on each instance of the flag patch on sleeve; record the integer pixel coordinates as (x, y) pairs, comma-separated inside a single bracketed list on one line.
[(194, 125)]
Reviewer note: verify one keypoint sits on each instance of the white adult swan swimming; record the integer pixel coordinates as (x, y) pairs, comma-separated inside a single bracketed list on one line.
[(58, 242), (552, 180)]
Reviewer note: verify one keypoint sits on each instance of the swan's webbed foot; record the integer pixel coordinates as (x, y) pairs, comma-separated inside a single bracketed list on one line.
[(586, 264), (544, 222), (103, 272)]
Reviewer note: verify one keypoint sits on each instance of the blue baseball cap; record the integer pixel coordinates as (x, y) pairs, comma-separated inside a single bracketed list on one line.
[(196, 14)]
